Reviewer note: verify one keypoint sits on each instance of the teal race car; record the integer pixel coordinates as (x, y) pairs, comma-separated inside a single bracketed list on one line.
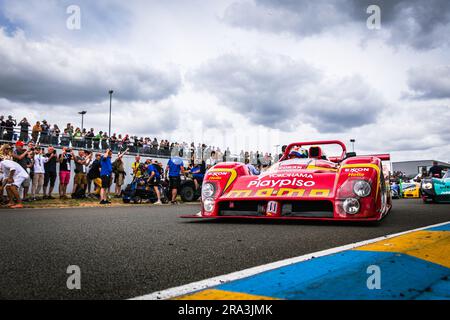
[(435, 189)]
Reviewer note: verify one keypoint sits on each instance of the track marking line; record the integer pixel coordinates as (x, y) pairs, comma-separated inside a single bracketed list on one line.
[(215, 294), (219, 280), (431, 246)]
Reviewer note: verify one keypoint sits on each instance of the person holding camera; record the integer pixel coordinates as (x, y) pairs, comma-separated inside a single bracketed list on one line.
[(13, 177), (38, 172), (65, 159), (24, 128), (119, 174), (36, 131), (22, 157), (50, 172), (105, 175), (9, 128), (82, 161)]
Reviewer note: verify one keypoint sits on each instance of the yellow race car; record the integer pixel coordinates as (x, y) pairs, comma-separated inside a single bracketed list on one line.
[(410, 189)]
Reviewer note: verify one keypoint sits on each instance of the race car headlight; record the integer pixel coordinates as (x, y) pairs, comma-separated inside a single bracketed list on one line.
[(362, 188), (351, 206), (427, 186), (208, 190), (208, 204)]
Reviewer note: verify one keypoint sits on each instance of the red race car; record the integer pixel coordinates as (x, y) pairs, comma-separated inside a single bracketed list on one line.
[(304, 184)]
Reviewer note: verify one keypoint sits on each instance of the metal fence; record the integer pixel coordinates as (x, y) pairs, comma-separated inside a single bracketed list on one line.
[(187, 152)]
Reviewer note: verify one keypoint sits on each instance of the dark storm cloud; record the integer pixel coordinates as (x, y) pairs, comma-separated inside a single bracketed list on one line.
[(418, 23), (430, 82), (53, 73), (279, 92)]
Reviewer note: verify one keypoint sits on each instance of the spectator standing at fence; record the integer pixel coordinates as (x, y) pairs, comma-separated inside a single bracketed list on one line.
[(50, 172), (24, 128), (89, 136), (65, 139), (45, 132), (36, 131), (2, 127), (96, 140), (174, 170), (77, 137), (113, 142), (65, 167), (10, 123), (38, 172), (105, 141), (54, 135)]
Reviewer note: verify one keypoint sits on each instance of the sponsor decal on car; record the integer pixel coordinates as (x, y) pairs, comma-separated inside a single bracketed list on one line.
[(280, 192), (294, 182)]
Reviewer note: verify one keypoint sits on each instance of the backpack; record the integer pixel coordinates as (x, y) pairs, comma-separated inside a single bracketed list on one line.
[(80, 193)]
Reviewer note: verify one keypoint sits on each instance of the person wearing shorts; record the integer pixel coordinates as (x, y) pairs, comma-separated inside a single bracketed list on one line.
[(65, 159), (105, 175), (81, 163), (14, 176), (155, 180), (174, 169)]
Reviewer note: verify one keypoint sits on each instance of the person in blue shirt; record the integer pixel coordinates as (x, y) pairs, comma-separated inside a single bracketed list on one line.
[(174, 170), (154, 179), (198, 173), (106, 174), (252, 168)]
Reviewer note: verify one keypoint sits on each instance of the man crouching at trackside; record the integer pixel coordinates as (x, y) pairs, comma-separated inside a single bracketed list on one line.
[(174, 169), (13, 175)]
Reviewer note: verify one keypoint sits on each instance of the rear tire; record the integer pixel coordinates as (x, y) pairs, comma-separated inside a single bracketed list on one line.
[(187, 194)]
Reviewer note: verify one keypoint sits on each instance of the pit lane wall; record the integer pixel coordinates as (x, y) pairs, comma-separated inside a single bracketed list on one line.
[(415, 265)]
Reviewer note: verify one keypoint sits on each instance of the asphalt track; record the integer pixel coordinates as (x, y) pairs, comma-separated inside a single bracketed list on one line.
[(129, 252)]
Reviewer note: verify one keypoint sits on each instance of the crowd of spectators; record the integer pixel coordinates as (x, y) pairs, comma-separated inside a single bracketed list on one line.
[(30, 162), (45, 134)]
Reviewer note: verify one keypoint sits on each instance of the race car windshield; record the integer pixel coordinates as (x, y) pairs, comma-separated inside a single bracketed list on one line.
[(289, 164)]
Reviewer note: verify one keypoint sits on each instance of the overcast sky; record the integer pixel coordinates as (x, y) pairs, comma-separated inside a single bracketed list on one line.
[(247, 74)]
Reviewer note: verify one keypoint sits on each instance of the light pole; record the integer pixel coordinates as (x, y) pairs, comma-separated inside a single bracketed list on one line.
[(82, 118), (110, 109), (353, 144)]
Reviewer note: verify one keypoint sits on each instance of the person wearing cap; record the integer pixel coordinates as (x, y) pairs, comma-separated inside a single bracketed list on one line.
[(13, 175), (21, 156)]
